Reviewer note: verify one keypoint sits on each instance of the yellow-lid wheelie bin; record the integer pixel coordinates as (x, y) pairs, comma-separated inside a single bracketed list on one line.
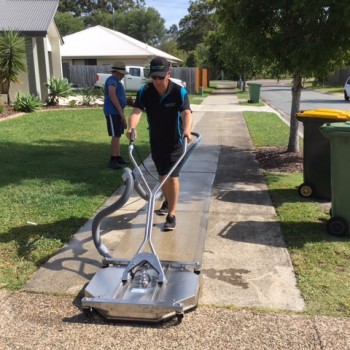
[(316, 159), (339, 136)]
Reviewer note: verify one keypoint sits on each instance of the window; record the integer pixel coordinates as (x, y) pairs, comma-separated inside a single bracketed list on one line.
[(135, 72), (90, 62)]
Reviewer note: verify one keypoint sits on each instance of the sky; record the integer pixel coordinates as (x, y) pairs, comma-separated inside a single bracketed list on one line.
[(172, 11)]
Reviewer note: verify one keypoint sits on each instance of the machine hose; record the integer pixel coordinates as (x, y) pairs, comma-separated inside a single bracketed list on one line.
[(96, 223)]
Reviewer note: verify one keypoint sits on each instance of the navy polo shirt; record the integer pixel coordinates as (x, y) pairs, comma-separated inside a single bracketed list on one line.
[(163, 113)]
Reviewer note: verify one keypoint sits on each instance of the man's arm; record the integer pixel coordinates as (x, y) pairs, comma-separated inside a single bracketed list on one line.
[(112, 92), (186, 116), (134, 119)]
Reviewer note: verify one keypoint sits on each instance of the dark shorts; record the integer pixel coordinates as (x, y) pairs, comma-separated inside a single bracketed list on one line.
[(115, 125), (165, 160)]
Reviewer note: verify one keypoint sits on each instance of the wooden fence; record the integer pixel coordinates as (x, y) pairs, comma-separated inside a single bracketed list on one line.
[(85, 76)]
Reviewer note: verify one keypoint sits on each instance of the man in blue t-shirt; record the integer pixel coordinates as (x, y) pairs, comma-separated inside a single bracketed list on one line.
[(114, 104), (170, 120)]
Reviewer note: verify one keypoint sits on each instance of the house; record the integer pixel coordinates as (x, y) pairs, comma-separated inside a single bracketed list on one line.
[(99, 46), (34, 19)]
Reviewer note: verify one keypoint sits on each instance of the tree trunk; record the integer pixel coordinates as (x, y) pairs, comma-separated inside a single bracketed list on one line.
[(293, 143), (5, 89), (8, 95)]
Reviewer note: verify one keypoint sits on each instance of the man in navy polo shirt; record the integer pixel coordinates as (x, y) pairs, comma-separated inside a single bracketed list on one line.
[(170, 121)]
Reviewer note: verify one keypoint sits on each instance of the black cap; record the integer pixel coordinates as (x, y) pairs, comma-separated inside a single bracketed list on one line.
[(159, 67)]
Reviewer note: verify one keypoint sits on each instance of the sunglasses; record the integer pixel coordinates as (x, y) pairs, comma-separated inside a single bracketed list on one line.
[(158, 78)]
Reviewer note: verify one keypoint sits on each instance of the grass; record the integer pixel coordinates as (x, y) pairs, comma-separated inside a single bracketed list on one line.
[(53, 179), (260, 126), (326, 88), (321, 261)]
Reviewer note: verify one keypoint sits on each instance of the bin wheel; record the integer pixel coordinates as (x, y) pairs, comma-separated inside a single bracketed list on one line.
[(337, 226), (305, 190)]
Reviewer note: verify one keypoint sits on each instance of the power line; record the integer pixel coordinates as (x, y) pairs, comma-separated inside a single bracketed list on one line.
[(186, 2), (166, 5)]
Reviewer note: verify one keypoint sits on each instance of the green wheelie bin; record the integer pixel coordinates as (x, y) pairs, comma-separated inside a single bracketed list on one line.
[(316, 159), (254, 92), (339, 136)]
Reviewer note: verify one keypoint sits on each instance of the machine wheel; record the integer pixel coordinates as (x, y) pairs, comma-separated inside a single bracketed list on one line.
[(305, 190), (337, 226), (89, 312), (180, 317)]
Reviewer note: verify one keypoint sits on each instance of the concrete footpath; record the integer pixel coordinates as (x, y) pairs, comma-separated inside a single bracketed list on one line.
[(226, 221)]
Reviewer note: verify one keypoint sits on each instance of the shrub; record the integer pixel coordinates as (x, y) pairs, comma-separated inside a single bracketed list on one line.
[(98, 93), (72, 103), (91, 94), (88, 94), (58, 88), (26, 102)]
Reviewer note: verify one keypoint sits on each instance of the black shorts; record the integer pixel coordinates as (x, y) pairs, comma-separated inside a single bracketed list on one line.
[(115, 125), (165, 160)]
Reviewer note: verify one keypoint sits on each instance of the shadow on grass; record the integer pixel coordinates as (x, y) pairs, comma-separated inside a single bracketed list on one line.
[(72, 161), (27, 236)]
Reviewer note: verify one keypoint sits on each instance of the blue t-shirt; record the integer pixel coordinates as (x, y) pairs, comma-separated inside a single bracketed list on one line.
[(108, 107)]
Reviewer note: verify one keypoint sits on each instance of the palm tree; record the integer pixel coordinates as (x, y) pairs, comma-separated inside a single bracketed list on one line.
[(12, 59)]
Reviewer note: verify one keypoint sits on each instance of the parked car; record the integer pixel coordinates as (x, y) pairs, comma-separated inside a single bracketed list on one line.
[(134, 80), (347, 90)]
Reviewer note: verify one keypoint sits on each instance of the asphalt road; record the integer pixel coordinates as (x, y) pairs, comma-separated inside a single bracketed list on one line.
[(279, 95)]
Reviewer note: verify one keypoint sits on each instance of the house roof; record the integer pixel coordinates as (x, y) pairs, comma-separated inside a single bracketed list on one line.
[(103, 42), (30, 17)]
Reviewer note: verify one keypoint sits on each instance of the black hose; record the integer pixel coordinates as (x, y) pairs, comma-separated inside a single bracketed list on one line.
[(96, 223)]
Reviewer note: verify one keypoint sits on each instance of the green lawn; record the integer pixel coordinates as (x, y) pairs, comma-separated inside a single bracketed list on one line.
[(321, 261), (53, 178)]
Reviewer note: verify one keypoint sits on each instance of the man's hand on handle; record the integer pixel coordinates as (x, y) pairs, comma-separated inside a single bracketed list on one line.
[(128, 134), (188, 135)]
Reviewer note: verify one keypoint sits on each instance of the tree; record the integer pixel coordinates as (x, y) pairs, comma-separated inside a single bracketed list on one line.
[(86, 7), (75, 7), (194, 27), (237, 62), (98, 17), (68, 24), (300, 38), (144, 24), (12, 59), (171, 48), (209, 54)]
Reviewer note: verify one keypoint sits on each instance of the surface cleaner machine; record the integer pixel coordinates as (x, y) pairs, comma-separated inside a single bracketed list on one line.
[(144, 288)]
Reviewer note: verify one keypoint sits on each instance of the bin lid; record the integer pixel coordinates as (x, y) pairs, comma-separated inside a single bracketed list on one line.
[(254, 84), (335, 127), (325, 113)]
